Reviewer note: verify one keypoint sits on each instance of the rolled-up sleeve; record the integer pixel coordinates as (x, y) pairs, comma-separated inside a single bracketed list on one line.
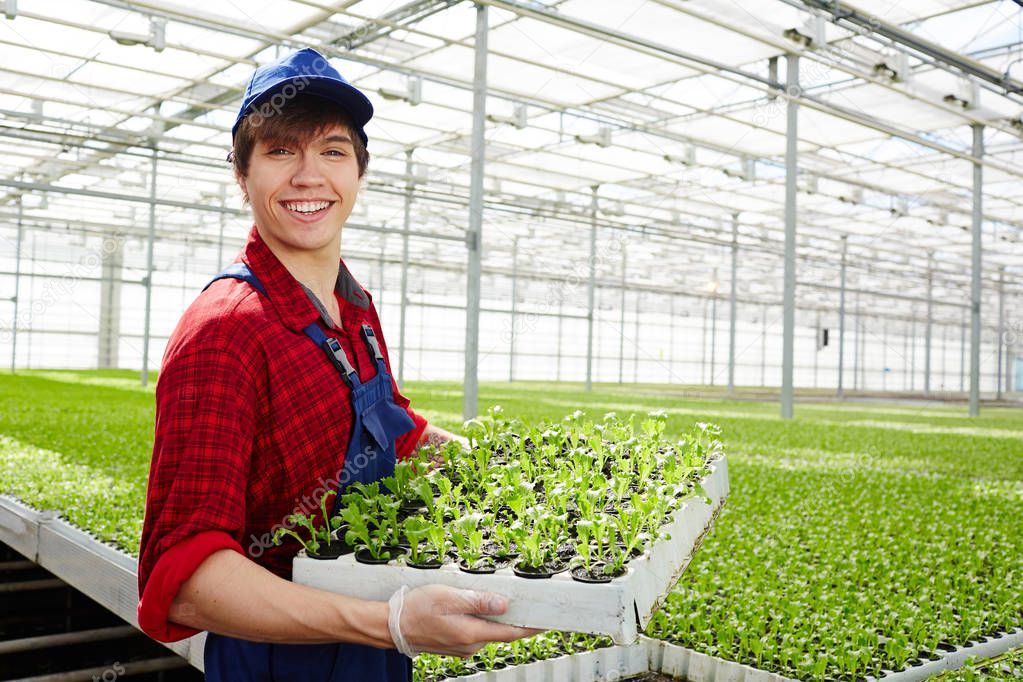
[(206, 403)]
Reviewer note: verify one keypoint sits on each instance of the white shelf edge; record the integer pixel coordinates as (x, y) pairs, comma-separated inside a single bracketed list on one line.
[(103, 573)]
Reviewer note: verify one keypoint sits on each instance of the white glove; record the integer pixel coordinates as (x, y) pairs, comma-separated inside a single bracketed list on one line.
[(441, 620)]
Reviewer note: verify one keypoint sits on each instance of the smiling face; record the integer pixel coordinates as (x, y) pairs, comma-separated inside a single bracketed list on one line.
[(302, 191), (300, 170)]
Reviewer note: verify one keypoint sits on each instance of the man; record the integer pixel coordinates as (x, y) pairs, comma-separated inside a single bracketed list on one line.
[(276, 384)]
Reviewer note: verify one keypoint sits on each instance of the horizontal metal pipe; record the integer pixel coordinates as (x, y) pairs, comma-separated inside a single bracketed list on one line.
[(17, 565), (12, 646), (151, 665), (32, 585)]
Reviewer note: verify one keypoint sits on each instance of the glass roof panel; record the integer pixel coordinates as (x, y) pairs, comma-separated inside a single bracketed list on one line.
[(630, 108)]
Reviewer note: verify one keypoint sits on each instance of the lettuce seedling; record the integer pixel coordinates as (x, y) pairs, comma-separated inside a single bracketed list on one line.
[(630, 524), (358, 534), (316, 535), (468, 538), (422, 491), (311, 545), (388, 525), (437, 539), (417, 529), (504, 538), (399, 483), (584, 530)]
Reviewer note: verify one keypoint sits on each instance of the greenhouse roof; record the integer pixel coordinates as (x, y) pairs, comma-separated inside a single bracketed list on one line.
[(674, 110)]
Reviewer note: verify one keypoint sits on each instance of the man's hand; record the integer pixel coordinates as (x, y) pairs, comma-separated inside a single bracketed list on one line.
[(438, 437), (441, 620)]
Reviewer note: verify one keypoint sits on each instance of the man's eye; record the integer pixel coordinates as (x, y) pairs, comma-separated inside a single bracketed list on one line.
[(335, 152), (279, 151)]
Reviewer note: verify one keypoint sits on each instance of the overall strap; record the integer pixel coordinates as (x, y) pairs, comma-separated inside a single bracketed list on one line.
[(335, 353), (239, 271), (370, 337)]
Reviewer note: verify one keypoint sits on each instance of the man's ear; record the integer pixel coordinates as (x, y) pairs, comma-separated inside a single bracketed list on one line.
[(241, 185)]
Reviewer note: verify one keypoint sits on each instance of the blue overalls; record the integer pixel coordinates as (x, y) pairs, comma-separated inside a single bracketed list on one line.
[(376, 423)]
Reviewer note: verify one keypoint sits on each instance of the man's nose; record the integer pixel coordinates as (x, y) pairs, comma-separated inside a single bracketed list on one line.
[(308, 171)]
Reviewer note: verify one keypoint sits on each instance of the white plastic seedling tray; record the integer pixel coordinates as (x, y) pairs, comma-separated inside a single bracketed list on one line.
[(619, 609)]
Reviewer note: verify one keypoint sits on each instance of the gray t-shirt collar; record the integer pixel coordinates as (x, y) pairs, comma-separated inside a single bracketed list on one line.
[(347, 287)]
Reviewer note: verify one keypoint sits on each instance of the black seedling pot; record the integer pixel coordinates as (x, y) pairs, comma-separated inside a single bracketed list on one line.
[(391, 551), (492, 549), (411, 508), (430, 563), (545, 571), (337, 547), (596, 575), (580, 574), (331, 551), (482, 567), (566, 551)]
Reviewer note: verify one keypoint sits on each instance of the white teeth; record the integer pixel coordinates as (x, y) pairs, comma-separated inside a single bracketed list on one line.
[(306, 206)]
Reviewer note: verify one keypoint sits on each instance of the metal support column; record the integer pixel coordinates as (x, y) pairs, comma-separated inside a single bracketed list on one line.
[(962, 354), (912, 353), (17, 281), (514, 298), (713, 336), (763, 348), (732, 305), (636, 337), (403, 305), (975, 272), (591, 287), (905, 360), (841, 315), (671, 337), (561, 319), (703, 346), (944, 357), (1000, 340), (863, 355), (109, 333), (474, 237), (884, 355), (930, 323), (856, 343), (816, 348), (150, 239), (791, 169), (621, 323)]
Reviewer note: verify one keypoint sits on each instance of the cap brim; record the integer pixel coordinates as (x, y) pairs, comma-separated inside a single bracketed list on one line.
[(345, 96)]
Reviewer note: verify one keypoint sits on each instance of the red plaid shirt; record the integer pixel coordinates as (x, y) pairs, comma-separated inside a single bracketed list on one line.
[(252, 424)]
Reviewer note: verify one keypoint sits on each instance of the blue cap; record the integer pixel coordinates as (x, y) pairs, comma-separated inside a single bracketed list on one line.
[(305, 72)]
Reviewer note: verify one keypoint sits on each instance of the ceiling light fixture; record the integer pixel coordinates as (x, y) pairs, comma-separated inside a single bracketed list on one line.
[(517, 119), (156, 38), (688, 157), (413, 93), (601, 139)]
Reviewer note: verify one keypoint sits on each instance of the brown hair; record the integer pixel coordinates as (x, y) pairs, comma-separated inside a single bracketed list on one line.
[(294, 124)]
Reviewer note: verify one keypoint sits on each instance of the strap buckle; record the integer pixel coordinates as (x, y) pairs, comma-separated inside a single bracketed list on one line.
[(372, 342), (337, 355)]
